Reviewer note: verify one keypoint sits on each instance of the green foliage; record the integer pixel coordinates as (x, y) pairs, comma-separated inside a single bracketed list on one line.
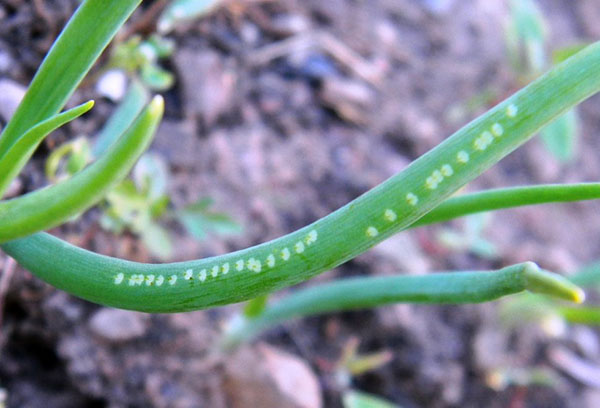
[(179, 11), (138, 208), (526, 36), (68, 159), (199, 219), (405, 200), (359, 399), (470, 238), (141, 58), (25, 215), (366, 221), (352, 364), (438, 288), (135, 99), (19, 153), (89, 31), (141, 205), (72, 55), (560, 136), (416, 196), (562, 54), (550, 315), (498, 199)]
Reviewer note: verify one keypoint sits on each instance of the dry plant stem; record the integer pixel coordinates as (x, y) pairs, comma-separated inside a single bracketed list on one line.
[(388, 208)]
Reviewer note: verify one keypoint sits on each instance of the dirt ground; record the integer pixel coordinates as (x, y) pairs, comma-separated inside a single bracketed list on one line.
[(282, 111)]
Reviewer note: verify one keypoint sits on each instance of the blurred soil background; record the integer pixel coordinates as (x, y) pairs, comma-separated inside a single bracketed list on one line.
[(281, 112)]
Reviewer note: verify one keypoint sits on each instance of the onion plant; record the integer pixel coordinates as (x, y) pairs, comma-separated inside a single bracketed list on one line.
[(406, 199)]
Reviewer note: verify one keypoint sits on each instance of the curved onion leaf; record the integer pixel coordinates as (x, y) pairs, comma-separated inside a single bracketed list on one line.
[(22, 150), (73, 53), (437, 288), (50, 207)]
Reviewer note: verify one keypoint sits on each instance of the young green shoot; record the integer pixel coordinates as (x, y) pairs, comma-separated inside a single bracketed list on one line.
[(47, 208), (385, 210), (437, 288), (21, 151)]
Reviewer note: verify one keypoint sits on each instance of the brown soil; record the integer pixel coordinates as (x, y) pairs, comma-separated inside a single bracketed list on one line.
[(282, 112)]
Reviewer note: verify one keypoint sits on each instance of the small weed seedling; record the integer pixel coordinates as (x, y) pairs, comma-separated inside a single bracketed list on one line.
[(526, 42)]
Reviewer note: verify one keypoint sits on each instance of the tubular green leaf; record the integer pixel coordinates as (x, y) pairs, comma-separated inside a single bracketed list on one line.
[(49, 207), (438, 288), (135, 99), (587, 277), (388, 208), (81, 42), (502, 198), (20, 152), (581, 315)]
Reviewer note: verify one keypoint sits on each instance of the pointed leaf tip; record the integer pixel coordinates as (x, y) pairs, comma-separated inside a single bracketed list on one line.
[(548, 283), (157, 105), (579, 296)]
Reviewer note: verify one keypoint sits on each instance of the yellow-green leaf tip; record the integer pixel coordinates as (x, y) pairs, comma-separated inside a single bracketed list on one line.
[(548, 283), (579, 296), (157, 105)]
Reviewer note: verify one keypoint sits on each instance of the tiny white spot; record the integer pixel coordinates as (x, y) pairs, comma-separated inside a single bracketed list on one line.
[(497, 129), (447, 170), (285, 254), (239, 265), (215, 271), (172, 279), (487, 137), (437, 176), (483, 141), (430, 183), (225, 268), (137, 280), (462, 157), (254, 265), (160, 280), (390, 215), (299, 247), (512, 110), (372, 232), (412, 199), (189, 274), (149, 279), (202, 275), (119, 278), (311, 237), (270, 261), (479, 144)]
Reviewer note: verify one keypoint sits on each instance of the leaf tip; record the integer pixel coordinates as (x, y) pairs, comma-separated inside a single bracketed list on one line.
[(157, 105), (548, 283), (578, 296)]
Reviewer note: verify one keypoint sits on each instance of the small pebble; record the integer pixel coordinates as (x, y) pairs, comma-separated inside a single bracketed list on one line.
[(11, 94), (118, 325), (112, 85)]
